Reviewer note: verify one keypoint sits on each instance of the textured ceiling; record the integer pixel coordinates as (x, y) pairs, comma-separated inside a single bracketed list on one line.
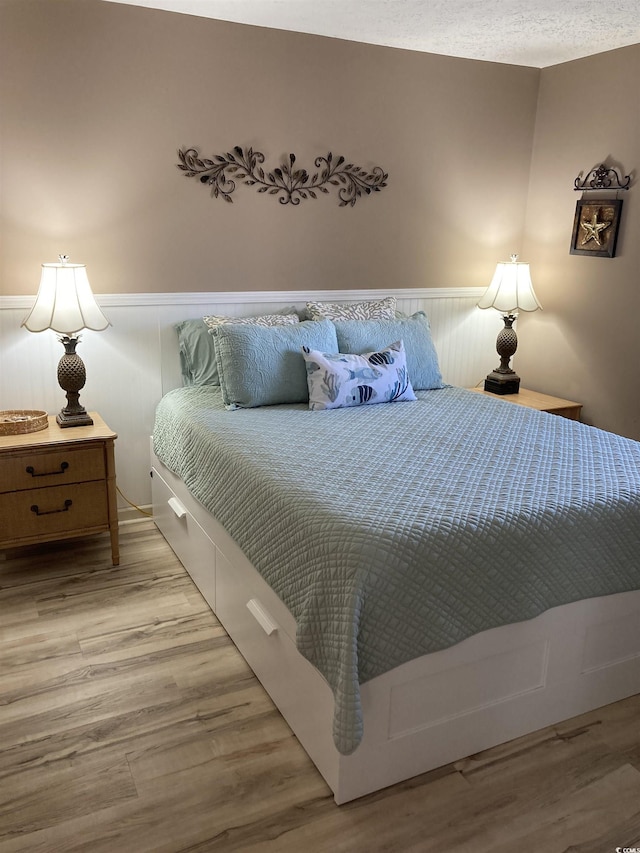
[(537, 33)]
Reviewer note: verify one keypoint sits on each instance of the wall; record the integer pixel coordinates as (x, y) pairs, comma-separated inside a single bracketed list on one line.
[(97, 97), (585, 345)]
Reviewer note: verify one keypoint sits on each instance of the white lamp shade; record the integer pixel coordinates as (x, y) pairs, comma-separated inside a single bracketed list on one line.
[(65, 302), (510, 289)]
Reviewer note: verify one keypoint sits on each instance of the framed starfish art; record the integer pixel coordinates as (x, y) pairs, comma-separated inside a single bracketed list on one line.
[(595, 227)]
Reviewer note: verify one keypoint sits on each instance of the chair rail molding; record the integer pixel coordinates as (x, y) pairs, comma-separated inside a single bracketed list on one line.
[(259, 296)]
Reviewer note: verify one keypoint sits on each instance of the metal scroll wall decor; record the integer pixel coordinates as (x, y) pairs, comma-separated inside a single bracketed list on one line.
[(602, 178), (290, 184)]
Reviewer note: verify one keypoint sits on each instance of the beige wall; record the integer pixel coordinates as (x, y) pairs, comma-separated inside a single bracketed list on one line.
[(97, 97), (585, 344)]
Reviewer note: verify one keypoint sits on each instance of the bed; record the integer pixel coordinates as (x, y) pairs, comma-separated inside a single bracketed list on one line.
[(412, 581)]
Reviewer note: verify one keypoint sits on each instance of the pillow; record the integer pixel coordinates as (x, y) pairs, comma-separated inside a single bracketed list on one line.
[(197, 348), (360, 336), (197, 353), (288, 316), (339, 380), (375, 309), (263, 366)]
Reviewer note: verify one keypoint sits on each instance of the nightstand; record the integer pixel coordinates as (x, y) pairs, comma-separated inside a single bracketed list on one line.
[(541, 402), (58, 483)]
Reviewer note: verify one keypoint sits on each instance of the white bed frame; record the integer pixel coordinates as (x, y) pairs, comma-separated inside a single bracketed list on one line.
[(431, 711)]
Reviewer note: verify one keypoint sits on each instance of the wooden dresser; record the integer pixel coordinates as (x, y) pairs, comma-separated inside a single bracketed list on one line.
[(58, 483)]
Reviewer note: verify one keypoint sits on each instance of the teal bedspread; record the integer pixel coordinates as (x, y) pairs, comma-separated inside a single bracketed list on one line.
[(396, 530)]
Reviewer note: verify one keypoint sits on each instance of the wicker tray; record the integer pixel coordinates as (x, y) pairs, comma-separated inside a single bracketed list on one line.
[(19, 421)]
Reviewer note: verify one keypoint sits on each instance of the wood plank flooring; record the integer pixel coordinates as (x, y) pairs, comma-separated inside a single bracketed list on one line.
[(129, 723)]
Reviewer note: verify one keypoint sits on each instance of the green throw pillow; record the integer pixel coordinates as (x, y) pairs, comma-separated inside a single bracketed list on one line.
[(360, 336), (263, 366)]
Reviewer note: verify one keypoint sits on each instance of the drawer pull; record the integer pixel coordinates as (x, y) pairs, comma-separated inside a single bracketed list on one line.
[(262, 617), (177, 507), (35, 508), (63, 468)]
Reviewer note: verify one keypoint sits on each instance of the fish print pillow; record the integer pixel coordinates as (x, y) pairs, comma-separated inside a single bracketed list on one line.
[(337, 380)]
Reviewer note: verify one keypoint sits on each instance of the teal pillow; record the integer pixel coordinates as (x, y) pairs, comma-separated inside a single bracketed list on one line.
[(361, 336), (263, 366), (197, 348), (197, 353)]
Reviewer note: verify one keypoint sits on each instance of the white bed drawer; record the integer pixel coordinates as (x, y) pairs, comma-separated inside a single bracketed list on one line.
[(254, 617), (247, 605), (191, 544)]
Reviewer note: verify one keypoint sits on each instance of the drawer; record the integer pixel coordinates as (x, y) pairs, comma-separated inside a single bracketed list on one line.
[(257, 622), (190, 543), (34, 469), (54, 511)]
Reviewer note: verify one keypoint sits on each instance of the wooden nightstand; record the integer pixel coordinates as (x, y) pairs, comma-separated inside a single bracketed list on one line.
[(541, 402), (58, 483)]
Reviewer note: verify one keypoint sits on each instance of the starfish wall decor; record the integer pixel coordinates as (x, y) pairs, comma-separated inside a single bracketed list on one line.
[(592, 230), (595, 227)]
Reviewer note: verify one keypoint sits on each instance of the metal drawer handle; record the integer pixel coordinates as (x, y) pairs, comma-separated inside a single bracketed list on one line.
[(36, 509), (63, 467)]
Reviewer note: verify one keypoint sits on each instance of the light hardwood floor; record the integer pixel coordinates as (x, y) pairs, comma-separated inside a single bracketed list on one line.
[(129, 723)]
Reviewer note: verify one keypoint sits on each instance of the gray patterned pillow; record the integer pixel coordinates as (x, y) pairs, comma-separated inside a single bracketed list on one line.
[(375, 309), (265, 320)]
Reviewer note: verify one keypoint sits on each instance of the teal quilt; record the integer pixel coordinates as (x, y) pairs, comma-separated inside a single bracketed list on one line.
[(395, 530)]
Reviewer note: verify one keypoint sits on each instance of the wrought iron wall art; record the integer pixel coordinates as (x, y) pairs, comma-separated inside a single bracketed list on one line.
[(602, 178), (291, 185), (597, 219)]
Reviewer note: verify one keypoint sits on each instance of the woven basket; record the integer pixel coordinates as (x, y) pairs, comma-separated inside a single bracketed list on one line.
[(20, 421)]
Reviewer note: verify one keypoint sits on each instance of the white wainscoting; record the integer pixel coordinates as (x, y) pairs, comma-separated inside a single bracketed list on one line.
[(131, 364)]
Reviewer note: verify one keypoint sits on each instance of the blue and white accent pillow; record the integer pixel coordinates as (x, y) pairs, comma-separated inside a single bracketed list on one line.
[(338, 380)]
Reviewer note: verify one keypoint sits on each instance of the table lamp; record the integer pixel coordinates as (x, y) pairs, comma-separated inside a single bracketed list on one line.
[(510, 291), (66, 305)]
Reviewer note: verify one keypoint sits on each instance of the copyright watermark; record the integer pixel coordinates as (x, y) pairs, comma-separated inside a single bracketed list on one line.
[(627, 849)]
